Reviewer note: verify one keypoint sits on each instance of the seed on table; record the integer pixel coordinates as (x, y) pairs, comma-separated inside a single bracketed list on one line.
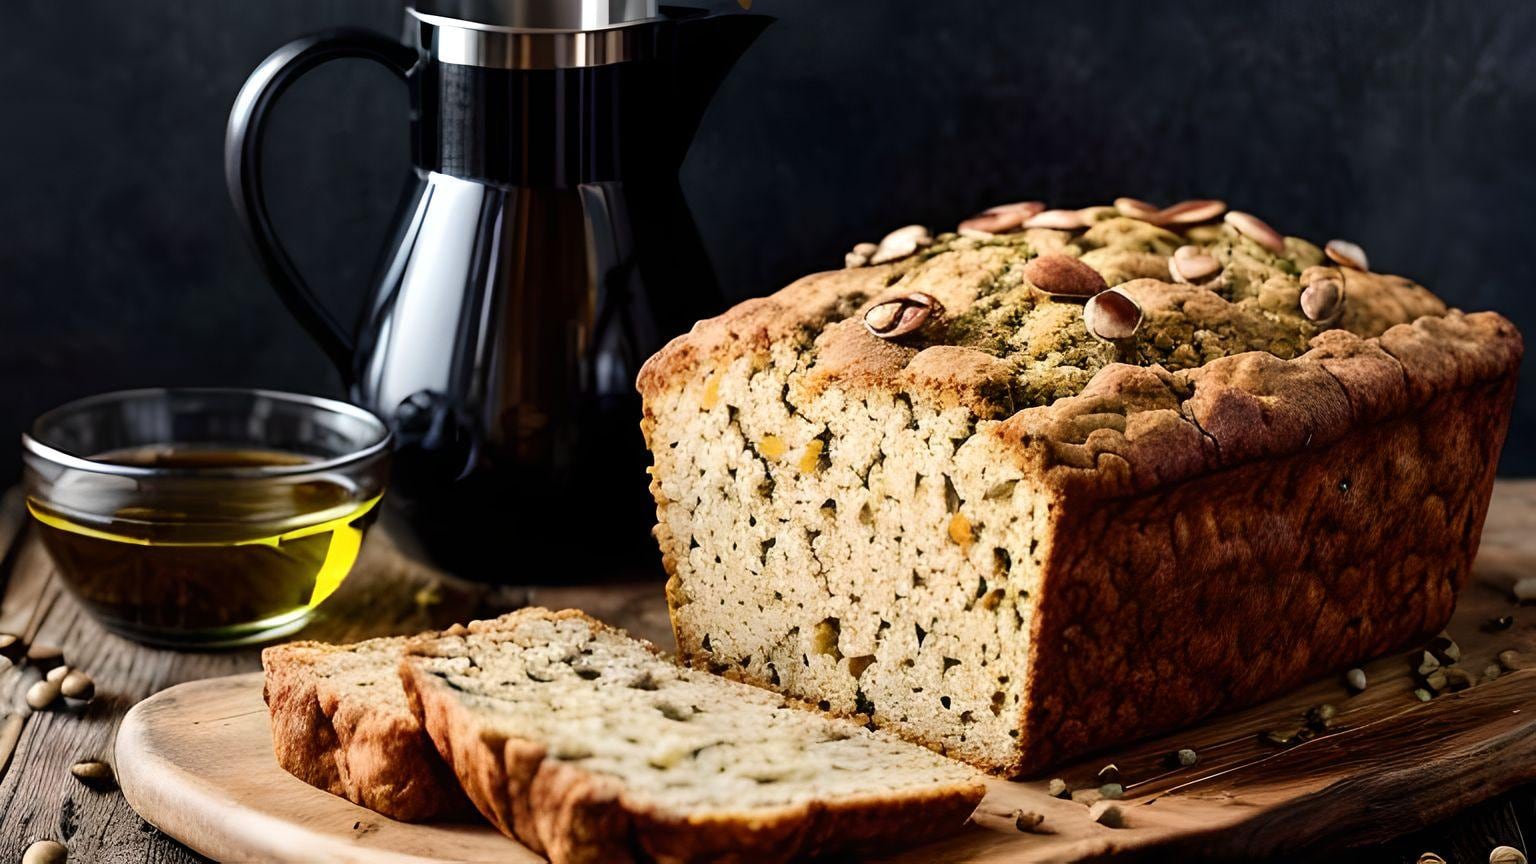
[(1018, 819), (42, 694), (1430, 858), (95, 774), (1428, 663), (866, 249), (1108, 814), (78, 685), (1457, 678), (1026, 821), (1355, 678), (852, 260), (45, 657), (1491, 671), (1112, 790), (1525, 589), (57, 673), (1180, 758), (1445, 649), (1087, 797), (1511, 660), (1423, 695), (1495, 625), (1285, 736), (1506, 855), (1320, 717), (1436, 680), (1057, 788), (12, 648), (45, 852)]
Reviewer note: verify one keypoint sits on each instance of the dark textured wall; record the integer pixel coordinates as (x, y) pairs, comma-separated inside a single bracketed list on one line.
[(1405, 126)]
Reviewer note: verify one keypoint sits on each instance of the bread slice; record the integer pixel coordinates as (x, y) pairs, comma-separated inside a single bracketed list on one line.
[(340, 722), (588, 746)]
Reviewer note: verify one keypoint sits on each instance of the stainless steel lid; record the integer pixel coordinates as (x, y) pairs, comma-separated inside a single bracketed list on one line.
[(528, 34), (539, 15)]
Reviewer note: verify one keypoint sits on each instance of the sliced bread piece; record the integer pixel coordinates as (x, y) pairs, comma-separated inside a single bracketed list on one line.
[(340, 722), (589, 746)]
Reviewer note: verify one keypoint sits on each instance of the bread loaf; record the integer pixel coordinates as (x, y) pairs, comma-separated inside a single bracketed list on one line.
[(1071, 478), (588, 746)]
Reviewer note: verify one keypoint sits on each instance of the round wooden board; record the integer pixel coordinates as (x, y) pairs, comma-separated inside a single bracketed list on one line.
[(196, 761)]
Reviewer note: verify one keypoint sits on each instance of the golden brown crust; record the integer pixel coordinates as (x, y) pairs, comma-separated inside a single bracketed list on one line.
[(574, 816), (338, 741), (1167, 605)]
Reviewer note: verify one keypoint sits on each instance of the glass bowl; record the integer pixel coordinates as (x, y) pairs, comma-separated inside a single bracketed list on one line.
[(204, 517)]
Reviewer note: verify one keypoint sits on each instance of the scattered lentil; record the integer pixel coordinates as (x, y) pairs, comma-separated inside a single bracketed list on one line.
[(95, 773), (1525, 589), (42, 694), (45, 852), (1494, 625), (78, 685), (1108, 814), (1511, 660), (12, 648), (1506, 855), (45, 657)]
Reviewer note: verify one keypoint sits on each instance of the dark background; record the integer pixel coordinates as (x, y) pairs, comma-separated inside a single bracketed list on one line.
[(1405, 126)]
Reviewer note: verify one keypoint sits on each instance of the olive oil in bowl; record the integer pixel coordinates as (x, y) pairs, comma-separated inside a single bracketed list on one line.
[(207, 543), (225, 565)]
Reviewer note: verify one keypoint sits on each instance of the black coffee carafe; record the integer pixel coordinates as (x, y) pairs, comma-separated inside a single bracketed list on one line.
[(542, 251)]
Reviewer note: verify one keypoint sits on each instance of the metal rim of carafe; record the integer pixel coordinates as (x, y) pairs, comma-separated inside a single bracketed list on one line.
[(529, 34)]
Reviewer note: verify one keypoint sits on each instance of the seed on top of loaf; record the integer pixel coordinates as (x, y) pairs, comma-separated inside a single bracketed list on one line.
[(1025, 346)]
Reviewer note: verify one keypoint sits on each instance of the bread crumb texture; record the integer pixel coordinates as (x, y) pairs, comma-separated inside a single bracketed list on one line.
[(585, 743), (1014, 542)]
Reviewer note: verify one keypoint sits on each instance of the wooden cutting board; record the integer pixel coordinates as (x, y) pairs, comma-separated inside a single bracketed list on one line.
[(196, 761)]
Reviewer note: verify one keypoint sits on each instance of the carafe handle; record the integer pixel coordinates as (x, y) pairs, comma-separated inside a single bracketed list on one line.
[(242, 167)]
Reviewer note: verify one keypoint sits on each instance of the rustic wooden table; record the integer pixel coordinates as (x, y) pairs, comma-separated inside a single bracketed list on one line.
[(391, 593)]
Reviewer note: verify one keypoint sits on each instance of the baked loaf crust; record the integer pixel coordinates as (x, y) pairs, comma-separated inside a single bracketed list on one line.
[(1014, 542), (340, 723), (588, 746)]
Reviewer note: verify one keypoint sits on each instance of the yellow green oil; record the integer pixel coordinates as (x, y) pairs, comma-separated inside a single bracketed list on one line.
[(211, 560)]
